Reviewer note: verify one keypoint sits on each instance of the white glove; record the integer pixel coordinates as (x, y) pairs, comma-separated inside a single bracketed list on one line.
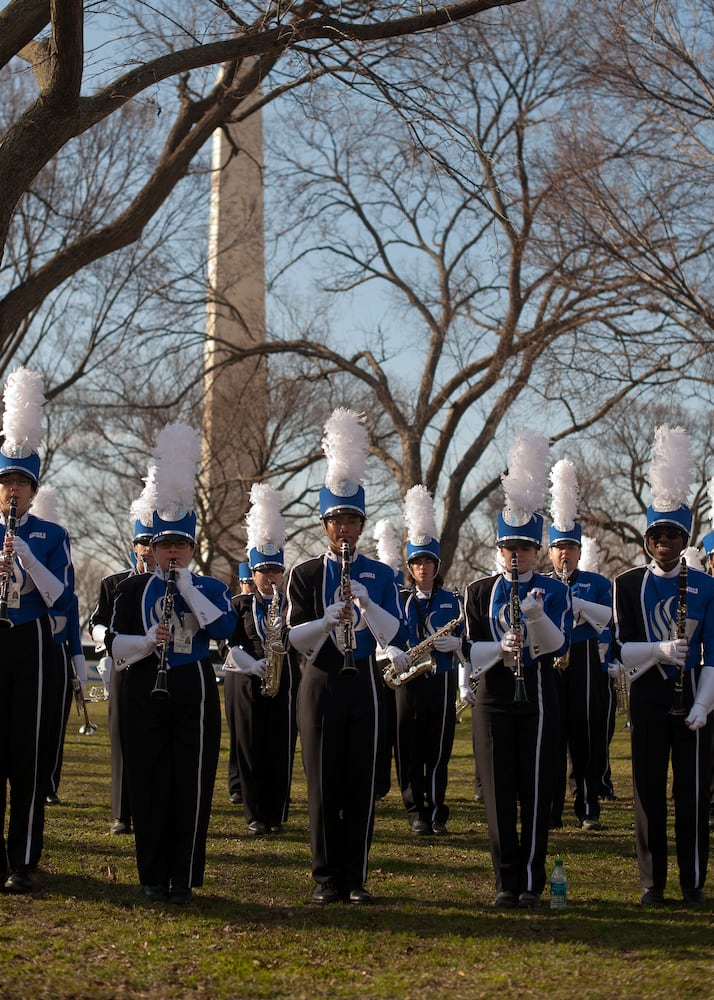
[(603, 649), (24, 553), (597, 615), (674, 651), (239, 661), (615, 669), (447, 643), (332, 615), (532, 607), (468, 694), (205, 611), (361, 594), (128, 649), (511, 642), (98, 633), (80, 667), (398, 658), (50, 588), (482, 656), (703, 700)]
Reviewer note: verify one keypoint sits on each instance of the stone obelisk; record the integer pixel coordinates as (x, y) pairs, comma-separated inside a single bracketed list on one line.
[(235, 389)]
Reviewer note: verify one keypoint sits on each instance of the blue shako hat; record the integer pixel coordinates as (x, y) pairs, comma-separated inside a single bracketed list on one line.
[(420, 523), (244, 573), (265, 526), (142, 532), (564, 504), (22, 425), (530, 531), (181, 526), (345, 445), (708, 543), (574, 535), (680, 518), (670, 475), (524, 489)]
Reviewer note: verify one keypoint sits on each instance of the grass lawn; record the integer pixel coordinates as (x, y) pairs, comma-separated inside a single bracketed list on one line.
[(252, 932)]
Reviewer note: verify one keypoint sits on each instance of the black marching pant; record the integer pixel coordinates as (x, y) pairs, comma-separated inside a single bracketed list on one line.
[(265, 737), (171, 749), (426, 722), (338, 720), (26, 665), (655, 736), (516, 745), (61, 703), (121, 809)]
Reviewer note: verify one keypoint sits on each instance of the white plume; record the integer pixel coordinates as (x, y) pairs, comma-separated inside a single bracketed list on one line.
[(345, 444), (524, 484), (419, 515), (389, 544), (22, 420), (671, 470), (177, 454), (44, 504), (264, 520), (142, 509), (710, 493), (589, 558), (564, 495)]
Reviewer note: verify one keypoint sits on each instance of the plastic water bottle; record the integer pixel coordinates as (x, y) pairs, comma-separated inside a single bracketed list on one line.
[(558, 886)]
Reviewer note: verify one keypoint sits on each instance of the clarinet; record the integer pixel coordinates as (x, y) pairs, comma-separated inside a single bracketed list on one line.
[(161, 687), (348, 663), (519, 694), (10, 526), (680, 633)]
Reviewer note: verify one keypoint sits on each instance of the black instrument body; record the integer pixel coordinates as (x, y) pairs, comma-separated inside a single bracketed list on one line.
[(161, 687), (348, 663), (10, 526), (519, 694), (680, 633)]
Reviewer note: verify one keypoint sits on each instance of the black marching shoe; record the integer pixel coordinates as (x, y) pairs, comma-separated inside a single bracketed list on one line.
[(120, 826), (53, 799), (325, 892), (360, 896), (19, 881), (652, 897), (439, 829), (506, 900), (236, 798), (156, 893), (591, 824), (693, 897), (276, 828), (180, 895), (256, 828), (421, 828), (529, 901)]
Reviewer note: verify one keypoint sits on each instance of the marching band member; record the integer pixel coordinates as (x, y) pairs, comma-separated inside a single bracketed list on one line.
[(262, 710), (516, 622), (426, 705), (341, 606), (246, 585), (161, 627), (664, 632), (143, 562), (580, 678), (36, 575), (708, 546)]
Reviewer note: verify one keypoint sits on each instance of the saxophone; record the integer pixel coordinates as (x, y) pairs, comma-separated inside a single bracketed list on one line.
[(273, 647), (420, 658)]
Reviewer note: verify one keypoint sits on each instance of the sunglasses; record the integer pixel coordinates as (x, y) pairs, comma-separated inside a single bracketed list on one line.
[(671, 534)]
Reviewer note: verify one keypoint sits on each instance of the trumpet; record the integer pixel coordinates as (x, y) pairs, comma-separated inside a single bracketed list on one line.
[(680, 633), (348, 663), (9, 550), (161, 687), (87, 728)]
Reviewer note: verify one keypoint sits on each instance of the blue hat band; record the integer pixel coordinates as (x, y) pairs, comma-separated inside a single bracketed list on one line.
[(244, 572), (262, 560)]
